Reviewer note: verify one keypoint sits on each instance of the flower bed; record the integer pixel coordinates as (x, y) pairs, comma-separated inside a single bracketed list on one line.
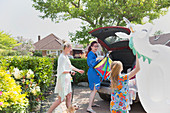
[(25, 78), (34, 74), (12, 100)]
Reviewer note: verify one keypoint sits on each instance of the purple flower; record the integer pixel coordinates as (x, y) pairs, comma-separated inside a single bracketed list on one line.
[(1, 103), (0, 93)]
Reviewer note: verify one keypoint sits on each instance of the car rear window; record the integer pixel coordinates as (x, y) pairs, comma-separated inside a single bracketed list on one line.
[(112, 39)]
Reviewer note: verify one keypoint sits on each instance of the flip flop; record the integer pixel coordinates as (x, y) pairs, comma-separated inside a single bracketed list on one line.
[(95, 105), (90, 111)]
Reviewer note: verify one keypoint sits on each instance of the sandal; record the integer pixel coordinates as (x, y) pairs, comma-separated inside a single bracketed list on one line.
[(90, 111), (95, 105)]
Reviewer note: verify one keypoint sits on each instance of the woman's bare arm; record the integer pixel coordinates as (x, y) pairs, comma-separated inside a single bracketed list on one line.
[(136, 69)]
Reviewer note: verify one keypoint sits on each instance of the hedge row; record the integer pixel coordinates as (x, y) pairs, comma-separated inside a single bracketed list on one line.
[(78, 63), (8, 53), (42, 67)]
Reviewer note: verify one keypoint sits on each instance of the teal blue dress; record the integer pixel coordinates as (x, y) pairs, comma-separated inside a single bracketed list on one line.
[(93, 78)]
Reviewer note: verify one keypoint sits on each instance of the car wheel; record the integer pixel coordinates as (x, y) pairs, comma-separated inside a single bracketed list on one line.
[(105, 97)]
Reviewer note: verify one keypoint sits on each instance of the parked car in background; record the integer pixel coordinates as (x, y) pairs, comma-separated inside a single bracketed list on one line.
[(118, 50)]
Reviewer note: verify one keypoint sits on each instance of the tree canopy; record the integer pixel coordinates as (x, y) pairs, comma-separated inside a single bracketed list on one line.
[(27, 45), (100, 13), (159, 32), (7, 42)]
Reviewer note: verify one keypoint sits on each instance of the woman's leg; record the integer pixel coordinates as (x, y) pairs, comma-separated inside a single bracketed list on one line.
[(54, 105), (68, 100), (91, 98)]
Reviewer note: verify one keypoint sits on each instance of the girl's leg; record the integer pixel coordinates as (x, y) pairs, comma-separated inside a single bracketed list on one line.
[(68, 100), (91, 98), (54, 105)]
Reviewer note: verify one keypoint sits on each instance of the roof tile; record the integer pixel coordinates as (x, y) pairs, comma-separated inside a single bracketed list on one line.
[(48, 43)]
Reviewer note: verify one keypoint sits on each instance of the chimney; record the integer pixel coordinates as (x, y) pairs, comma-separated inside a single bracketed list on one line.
[(39, 38)]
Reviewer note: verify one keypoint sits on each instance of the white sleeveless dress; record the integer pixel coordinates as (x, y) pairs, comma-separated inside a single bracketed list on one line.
[(63, 84)]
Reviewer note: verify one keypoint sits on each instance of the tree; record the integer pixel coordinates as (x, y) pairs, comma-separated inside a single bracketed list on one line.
[(7, 42), (26, 45), (98, 13), (159, 32)]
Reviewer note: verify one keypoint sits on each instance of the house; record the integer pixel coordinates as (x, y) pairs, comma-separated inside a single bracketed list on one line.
[(49, 45), (163, 39), (77, 50)]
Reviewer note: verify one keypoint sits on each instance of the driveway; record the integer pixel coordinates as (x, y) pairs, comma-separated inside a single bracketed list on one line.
[(81, 97)]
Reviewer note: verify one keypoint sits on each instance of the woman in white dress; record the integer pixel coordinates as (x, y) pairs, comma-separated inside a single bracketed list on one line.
[(63, 84)]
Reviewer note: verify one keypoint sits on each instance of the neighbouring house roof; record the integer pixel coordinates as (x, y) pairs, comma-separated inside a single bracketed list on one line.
[(168, 44), (50, 42), (163, 39)]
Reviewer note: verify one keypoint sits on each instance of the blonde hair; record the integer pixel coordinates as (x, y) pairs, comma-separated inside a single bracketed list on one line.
[(65, 44), (115, 70)]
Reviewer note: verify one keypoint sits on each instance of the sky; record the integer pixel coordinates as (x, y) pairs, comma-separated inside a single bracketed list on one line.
[(19, 18)]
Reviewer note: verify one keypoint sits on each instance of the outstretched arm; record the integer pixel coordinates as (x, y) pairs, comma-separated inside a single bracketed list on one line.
[(136, 69), (78, 70)]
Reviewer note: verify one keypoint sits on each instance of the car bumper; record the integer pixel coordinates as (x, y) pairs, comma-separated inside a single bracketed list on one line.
[(105, 90)]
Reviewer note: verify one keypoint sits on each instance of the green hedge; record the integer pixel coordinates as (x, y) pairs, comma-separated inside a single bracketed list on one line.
[(45, 66), (80, 64), (8, 53), (42, 67), (37, 53)]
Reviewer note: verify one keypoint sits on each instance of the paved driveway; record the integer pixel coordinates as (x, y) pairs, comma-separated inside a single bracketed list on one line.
[(81, 97)]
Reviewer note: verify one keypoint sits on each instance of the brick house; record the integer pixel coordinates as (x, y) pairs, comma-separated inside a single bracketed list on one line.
[(49, 45), (163, 39)]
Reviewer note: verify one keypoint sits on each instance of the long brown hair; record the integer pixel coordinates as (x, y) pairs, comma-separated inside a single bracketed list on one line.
[(89, 49), (115, 70)]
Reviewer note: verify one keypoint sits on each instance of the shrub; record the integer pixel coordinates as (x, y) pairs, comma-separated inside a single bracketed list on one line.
[(8, 53), (37, 53), (53, 55), (42, 68), (78, 63), (11, 98), (25, 78)]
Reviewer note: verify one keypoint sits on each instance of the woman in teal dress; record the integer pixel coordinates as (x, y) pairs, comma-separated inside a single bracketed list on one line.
[(93, 78)]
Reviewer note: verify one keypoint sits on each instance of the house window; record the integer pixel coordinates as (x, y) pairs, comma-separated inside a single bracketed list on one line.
[(53, 51), (48, 52)]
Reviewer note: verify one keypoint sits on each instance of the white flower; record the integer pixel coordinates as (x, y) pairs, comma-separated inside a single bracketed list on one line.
[(29, 73), (33, 91), (37, 88), (8, 72), (21, 72), (17, 74)]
